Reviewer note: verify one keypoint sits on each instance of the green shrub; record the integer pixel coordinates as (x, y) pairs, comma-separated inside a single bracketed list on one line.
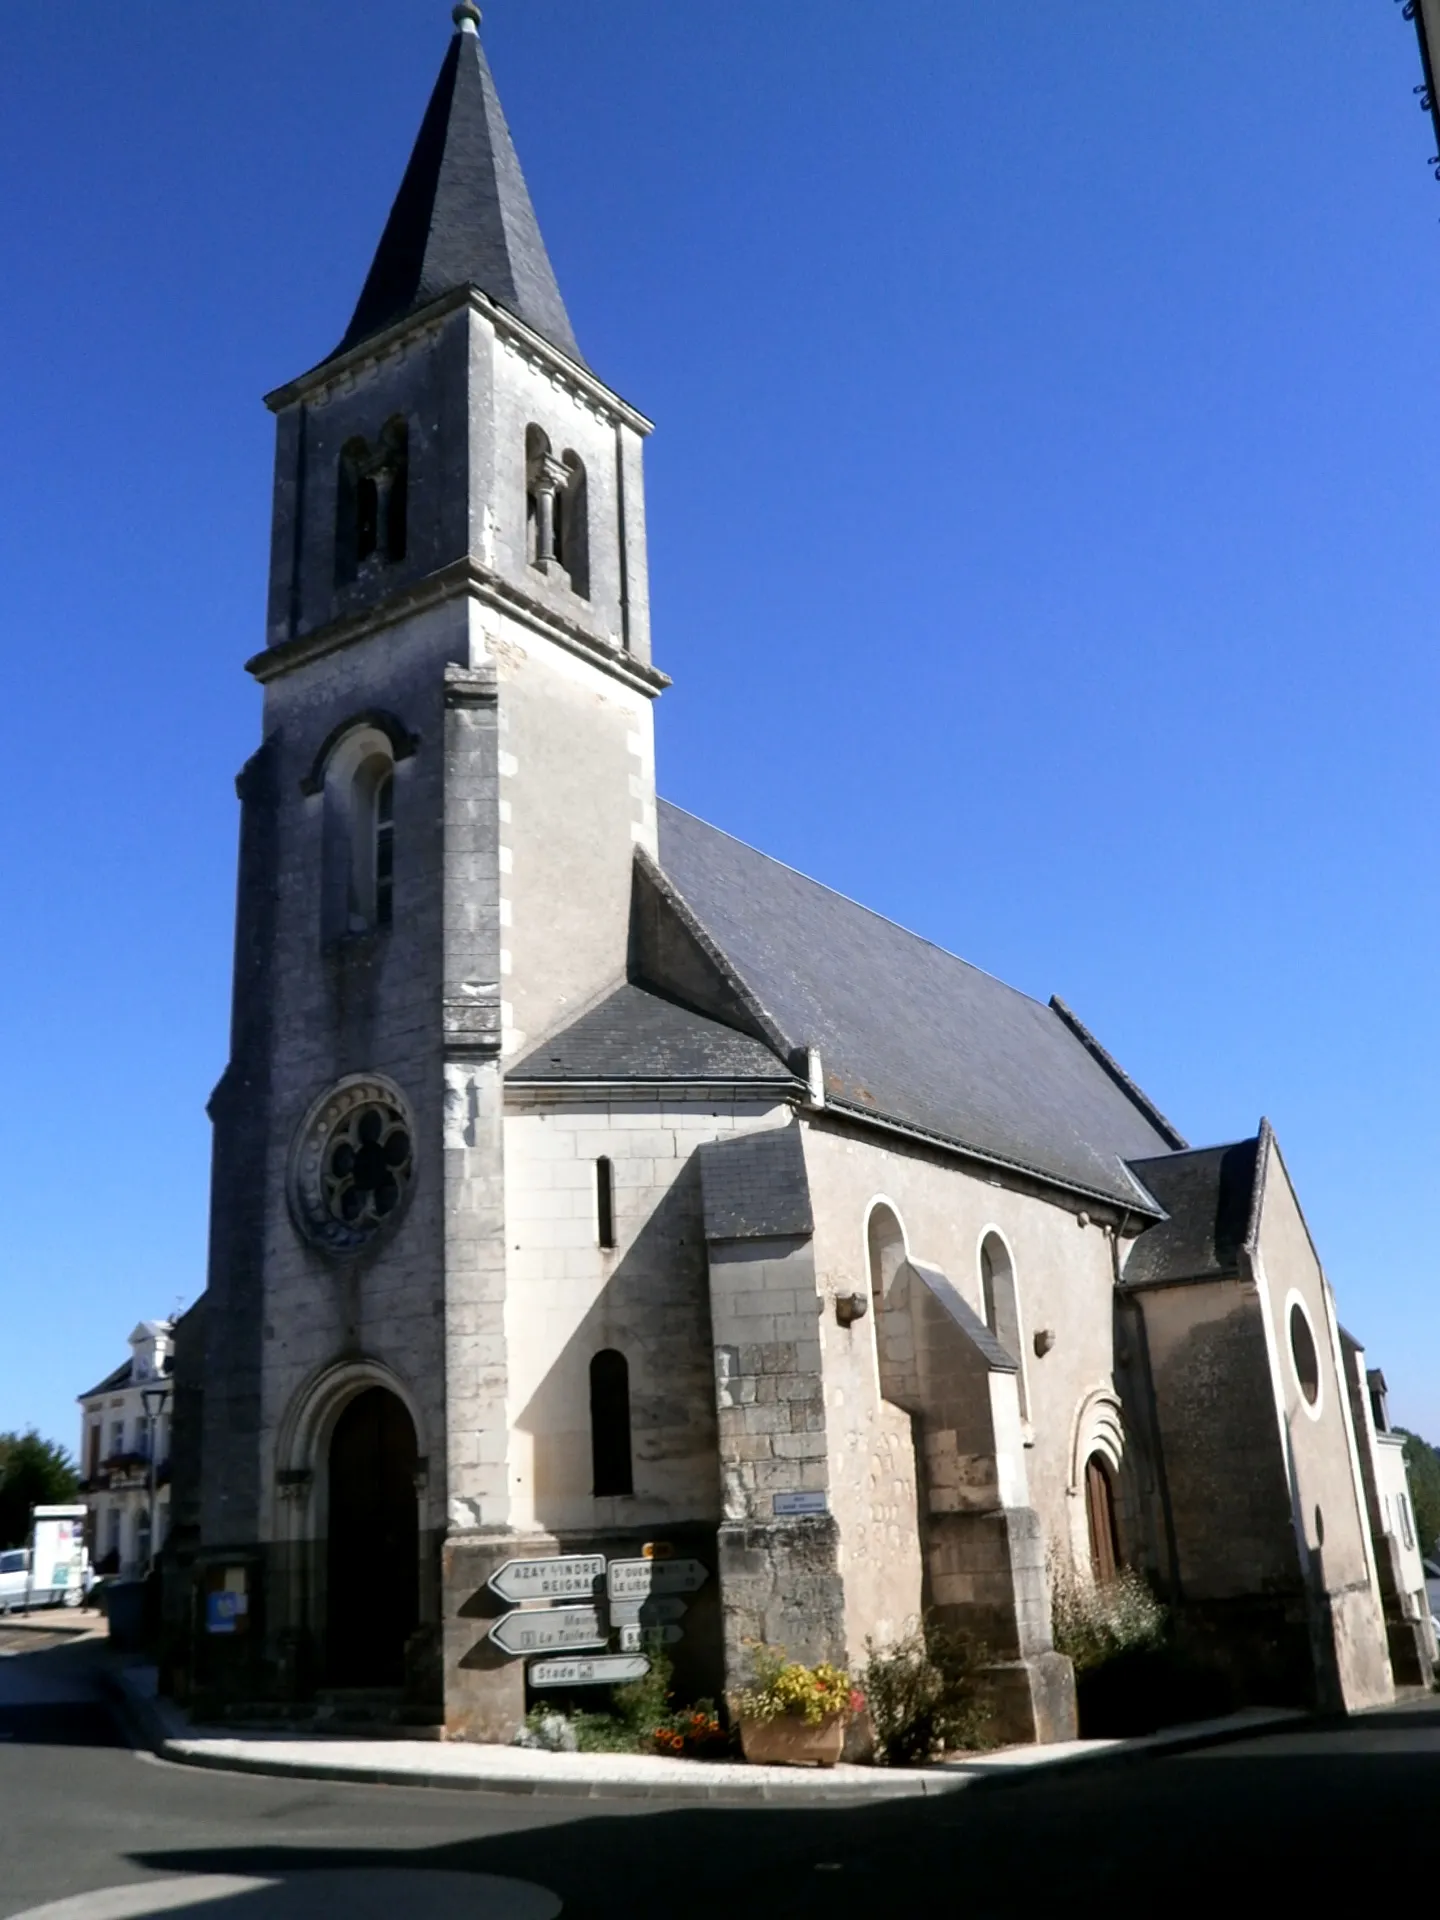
[(923, 1694), (641, 1719)]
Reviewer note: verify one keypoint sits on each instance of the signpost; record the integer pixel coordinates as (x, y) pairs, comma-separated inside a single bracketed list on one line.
[(606, 1671), (566, 1576), (638, 1579), (548, 1629)]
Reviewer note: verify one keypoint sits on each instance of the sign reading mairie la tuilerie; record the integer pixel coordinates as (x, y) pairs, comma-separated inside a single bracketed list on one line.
[(638, 1579), (565, 1576), (548, 1629)]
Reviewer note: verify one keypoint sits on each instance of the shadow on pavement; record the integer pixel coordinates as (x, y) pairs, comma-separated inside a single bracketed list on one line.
[(50, 1695), (1162, 1831)]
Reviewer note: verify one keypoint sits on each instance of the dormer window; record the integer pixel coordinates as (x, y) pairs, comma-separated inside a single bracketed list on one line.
[(373, 502)]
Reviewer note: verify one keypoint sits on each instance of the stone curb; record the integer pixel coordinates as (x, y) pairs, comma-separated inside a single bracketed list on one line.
[(161, 1728)]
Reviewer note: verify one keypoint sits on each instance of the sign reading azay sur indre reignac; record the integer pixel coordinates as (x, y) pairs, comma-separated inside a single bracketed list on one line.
[(567, 1576)]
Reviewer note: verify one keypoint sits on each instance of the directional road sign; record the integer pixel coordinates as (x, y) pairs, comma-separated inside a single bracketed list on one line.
[(654, 1610), (638, 1579), (548, 1629), (605, 1671), (565, 1576), (633, 1638)]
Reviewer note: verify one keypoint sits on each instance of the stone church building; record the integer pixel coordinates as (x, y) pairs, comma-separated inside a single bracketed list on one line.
[(587, 1182)]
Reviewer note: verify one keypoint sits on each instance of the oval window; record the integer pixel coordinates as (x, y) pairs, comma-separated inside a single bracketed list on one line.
[(1303, 1353)]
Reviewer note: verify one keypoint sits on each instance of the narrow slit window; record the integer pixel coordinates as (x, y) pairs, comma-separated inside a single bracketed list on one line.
[(385, 851), (605, 1202), (610, 1424), (367, 517)]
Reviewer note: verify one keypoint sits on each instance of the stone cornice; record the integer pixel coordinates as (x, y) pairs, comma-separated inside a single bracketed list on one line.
[(462, 577), (340, 370)]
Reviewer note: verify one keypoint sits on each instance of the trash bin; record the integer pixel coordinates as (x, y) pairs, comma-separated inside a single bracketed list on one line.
[(125, 1606)]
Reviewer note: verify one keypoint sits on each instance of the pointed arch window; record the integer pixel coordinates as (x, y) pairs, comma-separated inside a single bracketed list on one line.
[(610, 1424)]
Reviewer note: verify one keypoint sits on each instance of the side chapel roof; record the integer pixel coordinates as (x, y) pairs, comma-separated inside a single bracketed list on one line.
[(1208, 1194)]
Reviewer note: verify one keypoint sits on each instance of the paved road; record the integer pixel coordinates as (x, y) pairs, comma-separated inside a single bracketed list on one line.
[(1309, 1817)]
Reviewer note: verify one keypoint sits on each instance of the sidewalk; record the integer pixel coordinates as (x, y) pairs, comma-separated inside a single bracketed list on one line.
[(78, 1621), (604, 1776)]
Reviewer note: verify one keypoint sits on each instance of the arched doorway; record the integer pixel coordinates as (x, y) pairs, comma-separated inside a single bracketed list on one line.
[(1100, 1512), (373, 1557)]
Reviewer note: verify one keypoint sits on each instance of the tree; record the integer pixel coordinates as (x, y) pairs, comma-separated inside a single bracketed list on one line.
[(33, 1473), (1422, 1464)]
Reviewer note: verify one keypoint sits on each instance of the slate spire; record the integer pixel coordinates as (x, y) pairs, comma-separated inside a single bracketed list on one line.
[(463, 215)]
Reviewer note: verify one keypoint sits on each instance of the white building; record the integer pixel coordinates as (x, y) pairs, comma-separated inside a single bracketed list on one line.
[(118, 1440)]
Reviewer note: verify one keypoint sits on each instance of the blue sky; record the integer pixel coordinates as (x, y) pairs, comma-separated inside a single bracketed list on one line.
[(1042, 513)]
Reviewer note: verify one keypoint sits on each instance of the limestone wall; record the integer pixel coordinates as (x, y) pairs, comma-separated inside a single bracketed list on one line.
[(567, 1298), (1064, 1285)]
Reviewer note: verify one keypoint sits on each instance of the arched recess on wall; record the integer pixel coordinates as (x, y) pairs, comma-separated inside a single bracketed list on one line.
[(1099, 1484), (402, 742), (886, 1260), (302, 1444), (1000, 1294), (358, 852)]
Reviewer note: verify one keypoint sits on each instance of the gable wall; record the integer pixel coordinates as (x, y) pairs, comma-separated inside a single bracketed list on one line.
[(1328, 1490)]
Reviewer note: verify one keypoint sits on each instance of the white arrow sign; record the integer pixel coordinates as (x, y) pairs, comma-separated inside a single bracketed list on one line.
[(543, 1629), (633, 1638), (653, 1610), (609, 1669), (638, 1579), (567, 1576)]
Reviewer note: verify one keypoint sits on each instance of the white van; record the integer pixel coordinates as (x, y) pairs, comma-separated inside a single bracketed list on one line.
[(61, 1576)]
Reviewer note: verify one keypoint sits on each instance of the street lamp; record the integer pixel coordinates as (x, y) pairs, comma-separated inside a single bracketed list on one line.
[(153, 1400)]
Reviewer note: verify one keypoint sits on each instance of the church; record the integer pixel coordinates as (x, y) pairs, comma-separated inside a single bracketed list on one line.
[(589, 1187)]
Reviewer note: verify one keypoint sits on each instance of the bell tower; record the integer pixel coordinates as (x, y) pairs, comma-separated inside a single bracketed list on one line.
[(437, 840)]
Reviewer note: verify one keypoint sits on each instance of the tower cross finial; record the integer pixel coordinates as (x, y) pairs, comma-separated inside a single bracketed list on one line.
[(467, 16)]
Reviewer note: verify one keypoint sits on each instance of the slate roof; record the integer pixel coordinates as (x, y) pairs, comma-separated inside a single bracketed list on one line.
[(1207, 1193), (463, 215), (112, 1381), (755, 1186), (636, 1037), (905, 1030)]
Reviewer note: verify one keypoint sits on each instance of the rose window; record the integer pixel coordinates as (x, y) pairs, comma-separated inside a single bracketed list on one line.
[(366, 1166), (352, 1165)]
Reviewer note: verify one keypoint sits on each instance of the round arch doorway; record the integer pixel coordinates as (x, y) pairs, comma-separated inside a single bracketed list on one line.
[(373, 1552)]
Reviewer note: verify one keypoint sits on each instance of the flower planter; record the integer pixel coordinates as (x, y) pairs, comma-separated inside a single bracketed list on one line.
[(787, 1741)]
